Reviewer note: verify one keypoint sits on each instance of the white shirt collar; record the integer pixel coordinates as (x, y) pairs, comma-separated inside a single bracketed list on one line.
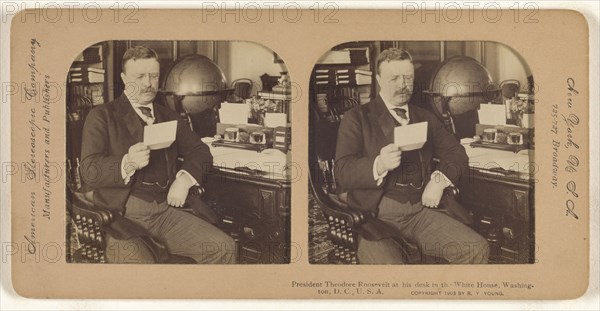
[(391, 108), (139, 111)]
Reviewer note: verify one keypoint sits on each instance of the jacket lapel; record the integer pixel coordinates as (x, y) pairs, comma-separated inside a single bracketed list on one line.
[(160, 115), (384, 119), (413, 115), (130, 118), (170, 154)]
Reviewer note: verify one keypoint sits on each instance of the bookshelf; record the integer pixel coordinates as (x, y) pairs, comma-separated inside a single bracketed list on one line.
[(279, 94), (343, 78), (86, 82), (86, 88)]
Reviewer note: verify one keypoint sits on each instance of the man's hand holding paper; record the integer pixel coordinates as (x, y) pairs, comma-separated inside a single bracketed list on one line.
[(389, 158), (136, 158)]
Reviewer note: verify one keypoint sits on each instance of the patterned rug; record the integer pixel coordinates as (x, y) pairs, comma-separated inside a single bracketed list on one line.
[(319, 244)]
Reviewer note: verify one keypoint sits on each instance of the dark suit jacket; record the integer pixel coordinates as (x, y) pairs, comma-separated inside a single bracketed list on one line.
[(366, 129), (110, 130)]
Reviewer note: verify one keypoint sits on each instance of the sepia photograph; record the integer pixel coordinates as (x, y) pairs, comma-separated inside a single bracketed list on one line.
[(178, 153), (421, 152)]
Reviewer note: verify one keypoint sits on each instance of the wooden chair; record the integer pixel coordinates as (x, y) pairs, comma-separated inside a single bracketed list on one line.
[(93, 225), (242, 89)]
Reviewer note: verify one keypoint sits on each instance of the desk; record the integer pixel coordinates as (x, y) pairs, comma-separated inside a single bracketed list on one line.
[(255, 205), (499, 190)]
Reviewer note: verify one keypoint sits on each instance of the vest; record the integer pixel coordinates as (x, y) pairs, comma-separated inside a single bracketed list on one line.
[(152, 183), (407, 180)]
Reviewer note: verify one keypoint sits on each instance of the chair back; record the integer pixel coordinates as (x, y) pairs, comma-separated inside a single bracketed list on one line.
[(510, 89), (341, 219), (242, 89)]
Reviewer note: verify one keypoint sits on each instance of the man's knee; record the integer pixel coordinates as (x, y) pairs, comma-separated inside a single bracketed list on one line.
[(221, 249), (132, 251), (473, 251), (385, 251), (481, 251)]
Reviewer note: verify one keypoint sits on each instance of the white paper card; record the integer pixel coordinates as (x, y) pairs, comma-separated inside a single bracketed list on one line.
[(528, 120), (491, 114), (160, 135), (273, 119), (411, 136), (231, 113)]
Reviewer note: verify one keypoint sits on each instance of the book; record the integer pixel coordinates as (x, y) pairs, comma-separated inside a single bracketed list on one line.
[(93, 53), (363, 72), (278, 89), (363, 79), (276, 96), (96, 70), (87, 68), (86, 77), (359, 56)]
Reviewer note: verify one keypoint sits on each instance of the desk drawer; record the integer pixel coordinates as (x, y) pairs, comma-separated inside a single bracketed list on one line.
[(259, 198), (506, 197), (258, 210)]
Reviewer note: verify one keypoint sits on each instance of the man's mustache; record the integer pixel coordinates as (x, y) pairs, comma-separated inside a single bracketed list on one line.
[(403, 92), (148, 90)]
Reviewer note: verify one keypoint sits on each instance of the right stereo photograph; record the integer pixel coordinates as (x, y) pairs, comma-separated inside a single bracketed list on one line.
[(421, 152)]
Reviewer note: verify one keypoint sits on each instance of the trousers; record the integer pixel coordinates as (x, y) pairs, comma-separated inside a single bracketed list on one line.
[(435, 233), (182, 233)]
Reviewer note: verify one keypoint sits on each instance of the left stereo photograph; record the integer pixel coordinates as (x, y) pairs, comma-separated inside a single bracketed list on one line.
[(178, 152)]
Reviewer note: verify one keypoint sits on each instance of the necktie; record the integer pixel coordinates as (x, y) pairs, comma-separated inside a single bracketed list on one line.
[(148, 113), (402, 114)]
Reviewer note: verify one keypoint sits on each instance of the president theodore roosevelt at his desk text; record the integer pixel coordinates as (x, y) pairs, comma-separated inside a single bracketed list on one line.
[(127, 176), (398, 185)]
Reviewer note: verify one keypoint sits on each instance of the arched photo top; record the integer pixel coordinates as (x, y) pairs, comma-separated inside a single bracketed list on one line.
[(352, 67), (254, 67)]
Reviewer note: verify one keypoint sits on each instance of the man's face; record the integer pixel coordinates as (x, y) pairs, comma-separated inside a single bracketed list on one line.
[(141, 80), (396, 80)]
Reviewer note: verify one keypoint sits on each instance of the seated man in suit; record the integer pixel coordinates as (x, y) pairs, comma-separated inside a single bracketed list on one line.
[(398, 186), (143, 184)]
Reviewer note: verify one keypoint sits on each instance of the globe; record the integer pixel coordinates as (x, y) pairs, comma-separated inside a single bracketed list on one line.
[(463, 83), (196, 83)]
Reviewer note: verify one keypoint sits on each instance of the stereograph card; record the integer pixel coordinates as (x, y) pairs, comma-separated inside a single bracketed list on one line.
[(324, 206)]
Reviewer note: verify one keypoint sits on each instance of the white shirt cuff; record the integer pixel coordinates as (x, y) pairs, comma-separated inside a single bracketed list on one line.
[(446, 180), (194, 181), (377, 177), (126, 177)]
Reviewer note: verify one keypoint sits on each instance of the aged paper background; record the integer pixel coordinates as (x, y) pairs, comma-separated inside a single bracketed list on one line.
[(554, 47)]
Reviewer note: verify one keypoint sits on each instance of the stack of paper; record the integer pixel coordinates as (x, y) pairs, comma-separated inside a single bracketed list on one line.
[(232, 113), (273, 119), (410, 137), (491, 114), (363, 77)]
